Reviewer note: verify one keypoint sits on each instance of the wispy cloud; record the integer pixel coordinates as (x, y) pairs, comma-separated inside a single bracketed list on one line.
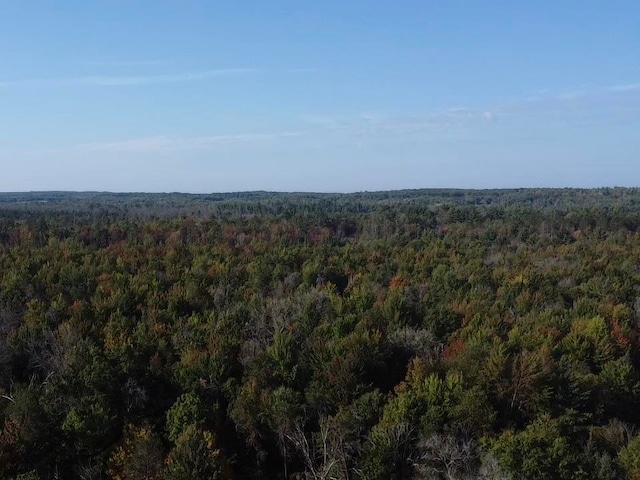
[(303, 70), (450, 118), (629, 87), (168, 144), (125, 80), (581, 106), (129, 63), (590, 91), (574, 94)]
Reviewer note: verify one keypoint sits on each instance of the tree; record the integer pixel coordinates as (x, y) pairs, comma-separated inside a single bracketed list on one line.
[(194, 457), (539, 452), (444, 454), (629, 458), (139, 457), (323, 453)]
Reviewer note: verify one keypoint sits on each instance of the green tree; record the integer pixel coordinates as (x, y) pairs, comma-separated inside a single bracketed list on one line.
[(194, 457)]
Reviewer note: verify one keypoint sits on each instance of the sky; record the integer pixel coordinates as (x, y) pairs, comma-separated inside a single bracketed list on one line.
[(326, 96)]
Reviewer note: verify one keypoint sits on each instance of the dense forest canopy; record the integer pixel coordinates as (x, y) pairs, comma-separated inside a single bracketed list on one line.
[(427, 334)]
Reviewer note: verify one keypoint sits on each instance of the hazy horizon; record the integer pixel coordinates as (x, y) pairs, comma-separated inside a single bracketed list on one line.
[(306, 192)]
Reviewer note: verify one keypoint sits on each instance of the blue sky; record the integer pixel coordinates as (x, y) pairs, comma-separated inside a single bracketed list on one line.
[(203, 96)]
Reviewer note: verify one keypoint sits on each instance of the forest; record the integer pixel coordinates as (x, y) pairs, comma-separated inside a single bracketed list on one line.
[(415, 334)]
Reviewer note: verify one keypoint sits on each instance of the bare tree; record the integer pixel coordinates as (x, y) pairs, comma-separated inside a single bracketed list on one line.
[(490, 470), (90, 471), (324, 454), (447, 456), (401, 437)]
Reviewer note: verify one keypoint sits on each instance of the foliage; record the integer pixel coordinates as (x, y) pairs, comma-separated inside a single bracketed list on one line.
[(377, 335)]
